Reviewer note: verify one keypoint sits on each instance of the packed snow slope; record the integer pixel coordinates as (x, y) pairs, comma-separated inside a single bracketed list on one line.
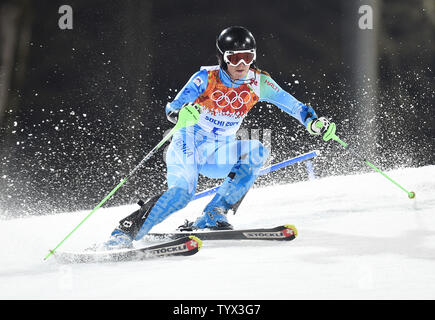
[(360, 237)]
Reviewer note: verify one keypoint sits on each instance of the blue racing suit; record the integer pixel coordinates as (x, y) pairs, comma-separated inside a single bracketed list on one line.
[(210, 147)]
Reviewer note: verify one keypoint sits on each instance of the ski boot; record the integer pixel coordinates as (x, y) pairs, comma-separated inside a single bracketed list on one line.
[(214, 216), (118, 240)]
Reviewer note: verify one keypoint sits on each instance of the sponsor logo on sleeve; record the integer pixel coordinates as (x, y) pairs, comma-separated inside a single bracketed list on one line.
[(272, 85)]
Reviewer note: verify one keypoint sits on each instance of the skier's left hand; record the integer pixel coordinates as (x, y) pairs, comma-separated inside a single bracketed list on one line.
[(322, 126)]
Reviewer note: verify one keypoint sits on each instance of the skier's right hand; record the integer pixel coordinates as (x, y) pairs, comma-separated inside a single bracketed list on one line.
[(172, 115)]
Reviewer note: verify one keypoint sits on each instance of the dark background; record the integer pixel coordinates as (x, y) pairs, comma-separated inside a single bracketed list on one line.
[(80, 108)]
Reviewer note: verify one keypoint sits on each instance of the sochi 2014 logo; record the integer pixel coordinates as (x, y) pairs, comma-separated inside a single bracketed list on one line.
[(231, 98)]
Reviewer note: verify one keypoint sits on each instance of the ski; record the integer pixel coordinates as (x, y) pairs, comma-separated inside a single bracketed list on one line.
[(182, 246), (284, 233)]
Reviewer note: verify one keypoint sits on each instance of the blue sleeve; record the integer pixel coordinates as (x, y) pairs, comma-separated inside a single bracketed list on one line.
[(271, 92), (192, 90)]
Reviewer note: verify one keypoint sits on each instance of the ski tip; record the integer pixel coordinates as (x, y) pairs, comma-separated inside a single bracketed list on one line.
[(292, 227), (198, 242)]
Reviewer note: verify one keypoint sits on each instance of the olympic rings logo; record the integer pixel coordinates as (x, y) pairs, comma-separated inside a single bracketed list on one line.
[(236, 100)]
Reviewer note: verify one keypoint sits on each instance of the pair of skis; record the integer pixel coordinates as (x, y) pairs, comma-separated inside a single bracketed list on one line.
[(178, 244), (184, 243)]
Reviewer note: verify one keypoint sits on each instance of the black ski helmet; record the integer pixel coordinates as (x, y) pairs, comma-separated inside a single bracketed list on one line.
[(233, 39)]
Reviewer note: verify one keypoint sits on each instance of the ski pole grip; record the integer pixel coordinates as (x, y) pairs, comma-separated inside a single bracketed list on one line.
[(188, 116)]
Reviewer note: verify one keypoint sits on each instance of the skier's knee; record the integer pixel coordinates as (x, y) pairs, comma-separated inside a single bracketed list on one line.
[(182, 178)]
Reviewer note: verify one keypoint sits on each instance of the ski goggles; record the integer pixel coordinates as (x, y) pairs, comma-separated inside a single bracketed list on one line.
[(235, 58)]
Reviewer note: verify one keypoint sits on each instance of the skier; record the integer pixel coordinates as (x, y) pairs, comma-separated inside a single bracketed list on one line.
[(224, 94)]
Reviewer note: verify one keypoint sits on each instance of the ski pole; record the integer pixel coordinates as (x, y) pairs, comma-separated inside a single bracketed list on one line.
[(411, 194), (263, 171), (189, 115)]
